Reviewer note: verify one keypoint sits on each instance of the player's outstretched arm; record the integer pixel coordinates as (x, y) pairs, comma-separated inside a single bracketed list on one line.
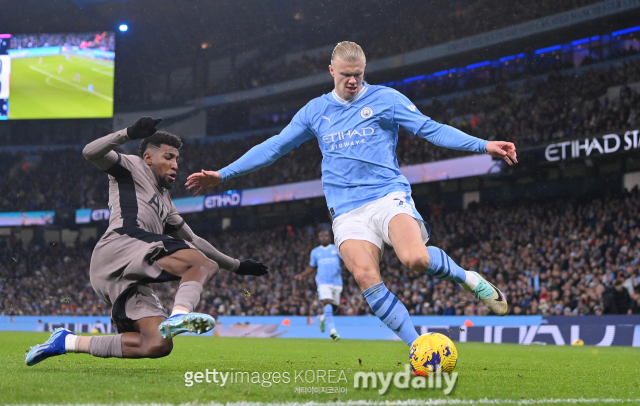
[(261, 155), (407, 115), (246, 267), (449, 137), (100, 152), (309, 270)]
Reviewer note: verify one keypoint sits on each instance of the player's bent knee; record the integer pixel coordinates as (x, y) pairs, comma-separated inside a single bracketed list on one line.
[(210, 269), (365, 277), (159, 348), (416, 261)]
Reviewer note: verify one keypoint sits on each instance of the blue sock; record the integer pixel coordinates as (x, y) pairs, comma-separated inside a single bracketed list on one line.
[(391, 312), (328, 317), (443, 267)]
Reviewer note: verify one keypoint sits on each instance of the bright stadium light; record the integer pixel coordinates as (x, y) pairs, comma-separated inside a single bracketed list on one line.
[(123, 27)]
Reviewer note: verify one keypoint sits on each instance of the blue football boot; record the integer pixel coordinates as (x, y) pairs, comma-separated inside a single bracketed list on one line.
[(52, 347), (182, 323)]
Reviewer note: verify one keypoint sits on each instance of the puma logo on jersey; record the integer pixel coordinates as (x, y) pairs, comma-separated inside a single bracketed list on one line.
[(327, 118)]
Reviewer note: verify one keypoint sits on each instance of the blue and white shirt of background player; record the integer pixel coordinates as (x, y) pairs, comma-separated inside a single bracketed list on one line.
[(329, 273)]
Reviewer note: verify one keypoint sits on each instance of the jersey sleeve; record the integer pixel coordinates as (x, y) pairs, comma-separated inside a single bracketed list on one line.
[(174, 220), (314, 261), (407, 115), (266, 153), (124, 166), (129, 162), (101, 152)]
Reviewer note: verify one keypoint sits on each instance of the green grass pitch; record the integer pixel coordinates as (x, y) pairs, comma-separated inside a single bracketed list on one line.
[(40, 90), (503, 372)]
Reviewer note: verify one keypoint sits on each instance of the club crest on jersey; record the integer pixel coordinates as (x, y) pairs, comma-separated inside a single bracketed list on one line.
[(366, 112)]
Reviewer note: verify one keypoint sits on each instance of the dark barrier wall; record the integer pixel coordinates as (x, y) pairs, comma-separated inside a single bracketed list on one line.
[(555, 330)]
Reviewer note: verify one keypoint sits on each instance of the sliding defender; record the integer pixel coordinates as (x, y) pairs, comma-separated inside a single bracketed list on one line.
[(146, 242)]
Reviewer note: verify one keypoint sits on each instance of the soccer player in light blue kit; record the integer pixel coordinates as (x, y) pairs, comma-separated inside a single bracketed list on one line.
[(356, 127), (325, 261)]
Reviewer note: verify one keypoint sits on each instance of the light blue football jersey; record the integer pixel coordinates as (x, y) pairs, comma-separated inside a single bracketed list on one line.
[(328, 262), (358, 141)]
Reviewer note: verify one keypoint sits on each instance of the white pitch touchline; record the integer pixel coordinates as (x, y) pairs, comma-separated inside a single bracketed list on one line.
[(70, 83), (106, 63), (47, 81), (410, 402), (102, 71)]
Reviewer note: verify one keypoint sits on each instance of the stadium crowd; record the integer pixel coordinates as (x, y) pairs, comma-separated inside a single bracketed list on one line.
[(104, 41), (528, 113), (426, 27), (555, 257)]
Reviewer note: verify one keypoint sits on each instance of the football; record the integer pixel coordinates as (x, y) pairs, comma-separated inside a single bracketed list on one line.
[(432, 352)]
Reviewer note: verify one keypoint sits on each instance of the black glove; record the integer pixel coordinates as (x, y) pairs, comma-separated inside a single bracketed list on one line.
[(251, 267), (143, 128)]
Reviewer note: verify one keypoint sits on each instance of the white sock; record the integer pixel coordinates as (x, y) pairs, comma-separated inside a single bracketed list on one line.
[(174, 312), (321, 317), (333, 331), (70, 343), (471, 282)]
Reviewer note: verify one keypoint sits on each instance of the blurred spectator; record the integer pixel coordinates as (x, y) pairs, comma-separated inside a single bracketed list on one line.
[(100, 40)]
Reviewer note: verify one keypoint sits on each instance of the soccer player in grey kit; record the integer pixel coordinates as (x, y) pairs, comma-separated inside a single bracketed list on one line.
[(146, 242)]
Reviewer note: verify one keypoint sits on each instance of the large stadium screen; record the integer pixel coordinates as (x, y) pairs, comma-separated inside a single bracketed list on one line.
[(56, 75)]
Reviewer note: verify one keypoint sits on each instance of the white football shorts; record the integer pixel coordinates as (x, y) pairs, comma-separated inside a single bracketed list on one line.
[(330, 292), (371, 221)]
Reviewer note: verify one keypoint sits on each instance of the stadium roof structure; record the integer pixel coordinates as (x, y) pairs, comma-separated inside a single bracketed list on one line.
[(487, 45), (86, 3)]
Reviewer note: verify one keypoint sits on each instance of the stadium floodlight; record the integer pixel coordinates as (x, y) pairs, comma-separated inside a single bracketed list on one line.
[(123, 27)]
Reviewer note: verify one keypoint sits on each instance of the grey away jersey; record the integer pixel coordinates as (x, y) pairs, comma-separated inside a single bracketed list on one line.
[(136, 200)]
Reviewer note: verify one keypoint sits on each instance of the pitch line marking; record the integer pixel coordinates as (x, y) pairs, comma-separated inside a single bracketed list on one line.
[(71, 83), (409, 402), (102, 71), (102, 62), (47, 81)]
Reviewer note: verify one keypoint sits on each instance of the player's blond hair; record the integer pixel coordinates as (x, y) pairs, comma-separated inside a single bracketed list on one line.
[(348, 51)]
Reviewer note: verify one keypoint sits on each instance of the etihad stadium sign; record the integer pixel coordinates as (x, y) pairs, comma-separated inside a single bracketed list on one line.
[(604, 144)]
